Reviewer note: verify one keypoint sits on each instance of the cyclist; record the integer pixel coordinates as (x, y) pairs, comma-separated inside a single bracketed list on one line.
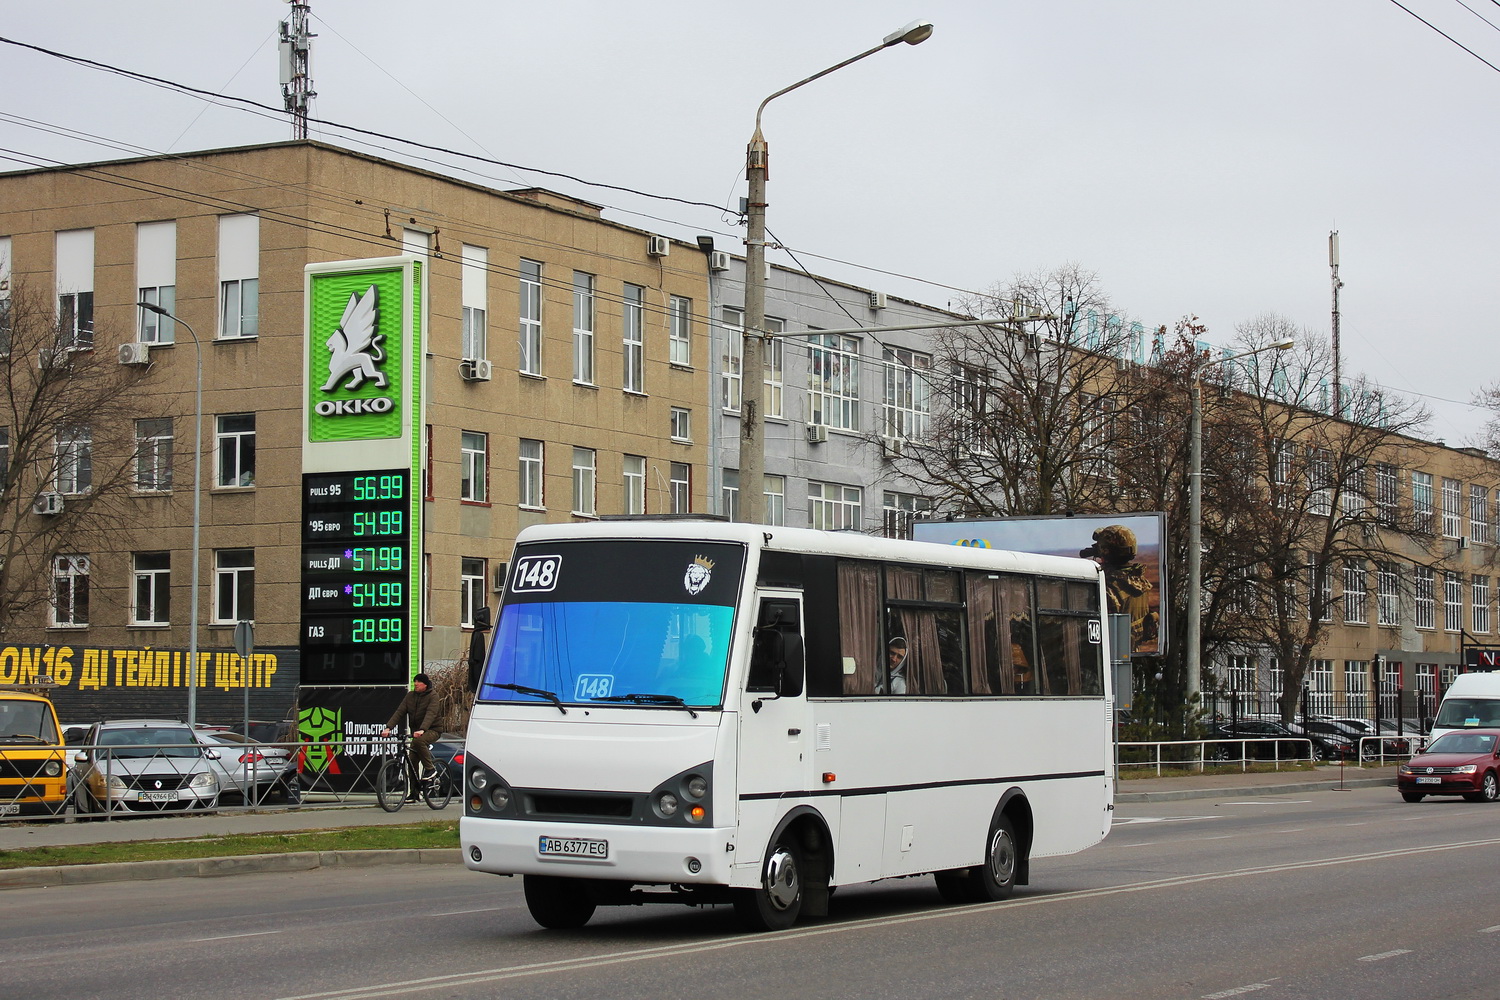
[(419, 708)]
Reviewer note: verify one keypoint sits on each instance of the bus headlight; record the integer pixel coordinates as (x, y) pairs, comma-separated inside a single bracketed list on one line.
[(697, 786), (479, 779), (666, 804), (499, 798)]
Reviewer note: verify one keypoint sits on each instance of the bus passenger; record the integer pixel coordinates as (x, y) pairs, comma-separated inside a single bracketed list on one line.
[(895, 674)]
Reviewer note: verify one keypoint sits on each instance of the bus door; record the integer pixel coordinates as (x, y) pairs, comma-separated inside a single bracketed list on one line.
[(775, 724)]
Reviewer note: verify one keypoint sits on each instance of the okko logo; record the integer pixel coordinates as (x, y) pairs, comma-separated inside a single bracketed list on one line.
[(354, 349)]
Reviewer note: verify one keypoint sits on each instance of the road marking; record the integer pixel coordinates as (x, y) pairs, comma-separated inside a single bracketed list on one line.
[(482, 909), (1385, 955), (1236, 991), (1222, 836), (1489, 930), (1269, 802), (782, 938), (1300, 829), (1132, 820), (1149, 843), (227, 937)]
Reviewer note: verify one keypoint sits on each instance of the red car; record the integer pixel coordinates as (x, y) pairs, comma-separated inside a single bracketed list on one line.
[(1464, 763)]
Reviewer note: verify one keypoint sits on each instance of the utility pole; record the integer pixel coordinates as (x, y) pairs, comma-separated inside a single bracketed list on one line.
[(296, 52), (1333, 265)]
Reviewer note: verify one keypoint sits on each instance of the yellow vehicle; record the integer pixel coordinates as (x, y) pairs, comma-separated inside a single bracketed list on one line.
[(33, 768)]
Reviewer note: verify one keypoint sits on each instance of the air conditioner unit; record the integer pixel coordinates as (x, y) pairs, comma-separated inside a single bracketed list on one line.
[(718, 261), (658, 246), (47, 504), (501, 569), (817, 433), (475, 369), (53, 357), (135, 354), (893, 447), (1463, 542), (877, 300)]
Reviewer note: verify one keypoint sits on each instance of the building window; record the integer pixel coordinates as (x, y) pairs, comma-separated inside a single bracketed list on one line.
[(234, 441), (833, 381), (1452, 508), (635, 484), (1479, 514), (972, 417), (583, 328), (1453, 602), (833, 507), (239, 276), (5, 321), (153, 454), (633, 339), (680, 331), (531, 318), (1481, 601), (1240, 674), (156, 279), (908, 394), (682, 424), (584, 474), (74, 273), (1425, 585), (1320, 686), (152, 604), (730, 377), (75, 321), (473, 474), (73, 460), (775, 491), (530, 494), (70, 590), (234, 586), (4, 456), (1319, 590), (427, 590), (1387, 495), (475, 291), (1356, 597), (1388, 598), (773, 358), (899, 511), (1357, 687), (1421, 500), (730, 498), (1320, 481), (681, 485), (471, 595)]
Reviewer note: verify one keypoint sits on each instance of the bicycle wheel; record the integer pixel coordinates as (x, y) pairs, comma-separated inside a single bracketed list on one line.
[(390, 784), (438, 790)]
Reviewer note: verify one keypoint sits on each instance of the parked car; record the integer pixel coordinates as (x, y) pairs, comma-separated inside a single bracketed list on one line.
[(1397, 745), (1331, 741), (448, 752), (251, 771), (1463, 762), (136, 766), (1272, 741)]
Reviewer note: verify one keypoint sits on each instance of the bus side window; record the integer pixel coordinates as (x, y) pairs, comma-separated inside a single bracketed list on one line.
[(776, 661)]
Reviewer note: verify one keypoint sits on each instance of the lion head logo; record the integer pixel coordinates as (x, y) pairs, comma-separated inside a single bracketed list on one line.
[(699, 572)]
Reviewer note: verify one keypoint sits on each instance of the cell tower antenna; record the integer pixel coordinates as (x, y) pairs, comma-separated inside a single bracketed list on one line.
[(296, 58), (1333, 265)]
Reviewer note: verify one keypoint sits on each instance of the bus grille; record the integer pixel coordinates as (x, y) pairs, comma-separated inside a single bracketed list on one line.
[(578, 804)]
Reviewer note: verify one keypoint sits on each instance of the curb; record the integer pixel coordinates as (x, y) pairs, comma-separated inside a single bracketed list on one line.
[(1291, 788), (246, 864)]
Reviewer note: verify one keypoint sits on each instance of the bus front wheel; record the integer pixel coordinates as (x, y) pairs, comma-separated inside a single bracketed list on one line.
[(559, 904), (776, 903), (997, 876)]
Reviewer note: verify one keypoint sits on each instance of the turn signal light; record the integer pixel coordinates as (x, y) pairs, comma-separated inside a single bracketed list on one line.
[(696, 814), (829, 777)]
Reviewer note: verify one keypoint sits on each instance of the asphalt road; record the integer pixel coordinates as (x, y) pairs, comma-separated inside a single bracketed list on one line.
[(1323, 895)]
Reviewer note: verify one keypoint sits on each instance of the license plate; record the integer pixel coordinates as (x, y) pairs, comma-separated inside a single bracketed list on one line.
[(10, 808), (1434, 780), (158, 796), (572, 847)]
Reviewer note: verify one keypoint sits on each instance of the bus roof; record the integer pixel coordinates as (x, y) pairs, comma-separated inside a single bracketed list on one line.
[(812, 541)]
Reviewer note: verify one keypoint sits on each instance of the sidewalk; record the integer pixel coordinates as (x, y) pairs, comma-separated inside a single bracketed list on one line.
[(16, 836)]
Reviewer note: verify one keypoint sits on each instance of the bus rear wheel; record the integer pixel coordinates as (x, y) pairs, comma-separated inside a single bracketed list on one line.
[(559, 904), (777, 902)]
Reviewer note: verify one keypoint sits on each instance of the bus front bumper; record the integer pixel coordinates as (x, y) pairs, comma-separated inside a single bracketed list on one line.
[(652, 855)]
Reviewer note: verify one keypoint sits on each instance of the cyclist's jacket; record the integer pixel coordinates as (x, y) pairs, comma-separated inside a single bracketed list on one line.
[(419, 709)]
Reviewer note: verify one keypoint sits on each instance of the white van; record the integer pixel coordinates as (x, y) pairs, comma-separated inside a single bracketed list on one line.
[(1472, 701)]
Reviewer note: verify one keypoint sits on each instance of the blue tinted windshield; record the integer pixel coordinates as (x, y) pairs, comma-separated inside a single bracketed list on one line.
[(586, 621)]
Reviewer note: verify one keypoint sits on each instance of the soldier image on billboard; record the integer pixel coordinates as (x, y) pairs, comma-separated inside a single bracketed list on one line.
[(1125, 583)]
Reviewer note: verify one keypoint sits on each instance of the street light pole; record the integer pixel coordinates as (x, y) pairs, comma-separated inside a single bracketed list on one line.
[(1195, 516), (752, 368), (192, 674)]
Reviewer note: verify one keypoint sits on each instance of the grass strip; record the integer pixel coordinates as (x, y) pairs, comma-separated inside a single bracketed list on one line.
[(439, 833)]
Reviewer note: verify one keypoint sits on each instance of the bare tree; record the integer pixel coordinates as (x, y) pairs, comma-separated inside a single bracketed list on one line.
[(68, 457)]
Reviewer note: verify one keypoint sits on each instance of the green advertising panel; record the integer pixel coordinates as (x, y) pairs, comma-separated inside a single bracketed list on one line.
[(355, 371)]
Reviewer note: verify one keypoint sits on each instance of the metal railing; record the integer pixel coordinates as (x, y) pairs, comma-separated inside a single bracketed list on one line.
[(1199, 754)]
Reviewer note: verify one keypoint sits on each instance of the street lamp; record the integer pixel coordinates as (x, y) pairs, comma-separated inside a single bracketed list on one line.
[(1195, 515), (192, 678), (752, 376)]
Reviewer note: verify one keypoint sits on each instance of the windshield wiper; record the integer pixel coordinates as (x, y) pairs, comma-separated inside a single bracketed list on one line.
[(23, 736), (523, 689), (651, 699)]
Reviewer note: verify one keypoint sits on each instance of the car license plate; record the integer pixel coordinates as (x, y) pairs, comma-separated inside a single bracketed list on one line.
[(10, 808), (158, 796), (572, 847), (1433, 780)]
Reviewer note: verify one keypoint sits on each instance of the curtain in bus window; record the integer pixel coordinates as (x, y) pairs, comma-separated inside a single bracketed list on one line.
[(1000, 639), (1059, 641), (918, 626), (859, 625), (1084, 597)]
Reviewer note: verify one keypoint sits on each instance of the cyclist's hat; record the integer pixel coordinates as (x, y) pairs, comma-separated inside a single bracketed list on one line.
[(423, 678)]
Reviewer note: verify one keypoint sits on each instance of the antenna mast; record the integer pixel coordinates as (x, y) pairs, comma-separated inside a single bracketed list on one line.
[(296, 52), (1333, 265)]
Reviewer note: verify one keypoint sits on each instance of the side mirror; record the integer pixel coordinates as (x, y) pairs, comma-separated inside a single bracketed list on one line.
[(211, 754), (81, 757)]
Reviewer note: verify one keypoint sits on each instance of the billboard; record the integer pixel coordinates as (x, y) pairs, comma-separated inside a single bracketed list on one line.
[(1129, 547)]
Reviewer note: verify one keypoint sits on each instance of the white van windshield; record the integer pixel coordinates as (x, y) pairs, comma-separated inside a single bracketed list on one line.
[(1468, 713)]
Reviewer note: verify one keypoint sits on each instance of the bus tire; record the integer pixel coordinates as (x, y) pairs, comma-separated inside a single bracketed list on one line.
[(559, 904), (776, 903), (954, 887), (1002, 858)]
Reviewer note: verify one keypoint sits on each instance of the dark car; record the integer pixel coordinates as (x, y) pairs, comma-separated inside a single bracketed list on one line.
[(1272, 741), (1463, 763), (1331, 741), (448, 753)]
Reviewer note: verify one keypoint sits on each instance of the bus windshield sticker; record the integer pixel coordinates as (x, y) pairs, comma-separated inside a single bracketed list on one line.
[(699, 572), (536, 574), (1096, 631), (591, 686)]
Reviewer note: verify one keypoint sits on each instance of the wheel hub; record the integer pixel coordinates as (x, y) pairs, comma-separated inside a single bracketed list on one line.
[(783, 882)]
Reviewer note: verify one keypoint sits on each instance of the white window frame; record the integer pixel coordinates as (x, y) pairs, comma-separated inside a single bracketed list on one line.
[(472, 573), (907, 406), (680, 488), (775, 494), (233, 446), (1453, 602), (1421, 500), (475, 338), (633, 339), (156, 280), (1452, 497), (834, 506), (1388, 594), (532, 456), (1387, 492), (151, 589), (73, 460), (74, 273), (731, 371), (680, 330), (529, 318), (1480, 602), (1424, 586), (633, 471), (682, 424), (234, 582), (583, 327), (1356, 593), (833, 381), (70, 591), (239, 277), (154, 444), (1479, 514), (585, 482), (474, 466)]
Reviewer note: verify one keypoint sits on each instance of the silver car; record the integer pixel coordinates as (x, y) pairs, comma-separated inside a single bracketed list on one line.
[(251, 771), (143, 766)]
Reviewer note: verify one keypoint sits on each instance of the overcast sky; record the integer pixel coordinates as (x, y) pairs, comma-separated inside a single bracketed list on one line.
[(1195, 154)]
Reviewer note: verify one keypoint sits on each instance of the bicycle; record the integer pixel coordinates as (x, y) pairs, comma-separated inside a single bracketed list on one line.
[(397, 777)]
